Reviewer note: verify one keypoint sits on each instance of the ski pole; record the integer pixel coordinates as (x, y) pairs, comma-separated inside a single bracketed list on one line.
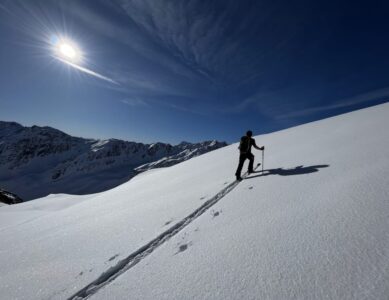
[(263, 158)]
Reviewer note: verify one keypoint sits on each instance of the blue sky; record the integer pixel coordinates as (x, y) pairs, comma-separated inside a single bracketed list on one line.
[(190, 70)]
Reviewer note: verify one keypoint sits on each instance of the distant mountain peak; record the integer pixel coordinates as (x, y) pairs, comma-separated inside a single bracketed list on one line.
[(36, 161)]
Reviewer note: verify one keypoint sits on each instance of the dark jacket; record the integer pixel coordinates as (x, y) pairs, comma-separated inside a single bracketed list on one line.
[(246, 143)]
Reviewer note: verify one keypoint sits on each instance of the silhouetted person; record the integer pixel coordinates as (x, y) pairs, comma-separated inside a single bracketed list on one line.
[(245, 152)]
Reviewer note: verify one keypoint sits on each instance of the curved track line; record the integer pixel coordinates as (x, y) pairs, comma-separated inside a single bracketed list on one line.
[(135, 257)]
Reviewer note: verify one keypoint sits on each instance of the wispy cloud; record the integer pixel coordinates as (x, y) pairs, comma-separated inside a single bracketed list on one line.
[(380, 94), (244, 104), (173, 51), (189, 49), (135, 102), (85, 70), (194, 33)]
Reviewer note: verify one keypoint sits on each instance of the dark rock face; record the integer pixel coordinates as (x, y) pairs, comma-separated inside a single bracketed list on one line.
[(37, 161), (9, 198)]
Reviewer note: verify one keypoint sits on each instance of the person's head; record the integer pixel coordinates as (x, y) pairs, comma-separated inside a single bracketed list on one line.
[(249, 133)]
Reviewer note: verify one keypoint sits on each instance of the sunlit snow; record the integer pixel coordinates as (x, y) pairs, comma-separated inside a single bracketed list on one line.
[(314, 225)]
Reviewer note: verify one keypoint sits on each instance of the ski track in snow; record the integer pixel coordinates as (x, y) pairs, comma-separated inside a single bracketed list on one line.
[(134, 258)]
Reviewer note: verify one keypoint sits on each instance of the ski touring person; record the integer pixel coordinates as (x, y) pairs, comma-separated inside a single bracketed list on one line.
[(246, 142)]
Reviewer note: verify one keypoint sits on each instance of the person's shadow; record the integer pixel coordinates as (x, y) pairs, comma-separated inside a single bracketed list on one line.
[(299, 170)]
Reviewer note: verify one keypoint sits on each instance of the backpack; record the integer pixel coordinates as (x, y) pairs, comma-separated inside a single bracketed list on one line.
[(244, 145)]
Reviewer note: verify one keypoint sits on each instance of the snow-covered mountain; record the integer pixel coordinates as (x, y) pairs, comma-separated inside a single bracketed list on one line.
[(36, 161), (313, 225), (187, 150)]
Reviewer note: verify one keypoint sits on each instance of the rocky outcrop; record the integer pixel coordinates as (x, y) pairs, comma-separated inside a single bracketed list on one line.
[(9, 198)]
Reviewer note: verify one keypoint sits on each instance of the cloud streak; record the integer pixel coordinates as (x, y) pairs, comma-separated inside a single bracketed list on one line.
[(200, 50), (133, 102), (87, 71), (380, 94)]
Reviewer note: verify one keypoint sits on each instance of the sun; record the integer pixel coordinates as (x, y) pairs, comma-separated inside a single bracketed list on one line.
[(67, 50)]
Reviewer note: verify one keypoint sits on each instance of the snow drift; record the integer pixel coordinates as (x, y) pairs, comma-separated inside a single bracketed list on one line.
[(314, 225)]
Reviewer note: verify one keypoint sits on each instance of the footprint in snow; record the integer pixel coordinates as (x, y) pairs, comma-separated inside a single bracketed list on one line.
[(215, 213), (183, 247), (82, 272), (168, 222), (113, 257)]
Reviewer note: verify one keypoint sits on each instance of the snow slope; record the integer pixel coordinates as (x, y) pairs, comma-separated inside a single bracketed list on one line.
[(313, 226)]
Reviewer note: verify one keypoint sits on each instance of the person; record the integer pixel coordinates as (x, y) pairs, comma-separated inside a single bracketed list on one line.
[(246, 142)]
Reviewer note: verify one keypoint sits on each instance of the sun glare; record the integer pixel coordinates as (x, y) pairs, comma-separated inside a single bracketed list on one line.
[(67, 50)]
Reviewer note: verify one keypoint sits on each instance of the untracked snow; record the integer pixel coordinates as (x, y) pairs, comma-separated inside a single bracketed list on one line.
[(314, 225)]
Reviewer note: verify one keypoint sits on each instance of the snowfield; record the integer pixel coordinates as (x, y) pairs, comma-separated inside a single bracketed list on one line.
[(314, 225)]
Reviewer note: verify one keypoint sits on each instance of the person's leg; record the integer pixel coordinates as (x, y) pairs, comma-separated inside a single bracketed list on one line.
[(242, 158), (250, 156)]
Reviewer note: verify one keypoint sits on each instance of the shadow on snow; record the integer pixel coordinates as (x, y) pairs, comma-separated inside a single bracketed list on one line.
[(299, 170)]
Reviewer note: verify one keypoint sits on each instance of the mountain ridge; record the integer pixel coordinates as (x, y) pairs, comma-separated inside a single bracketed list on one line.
[(36, 161)]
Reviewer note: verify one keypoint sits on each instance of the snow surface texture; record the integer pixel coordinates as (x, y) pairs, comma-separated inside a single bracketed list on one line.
[(314, 225), (37, 161)]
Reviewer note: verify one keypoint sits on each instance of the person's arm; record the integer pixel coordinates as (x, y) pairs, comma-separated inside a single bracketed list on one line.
[(256, 147)]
